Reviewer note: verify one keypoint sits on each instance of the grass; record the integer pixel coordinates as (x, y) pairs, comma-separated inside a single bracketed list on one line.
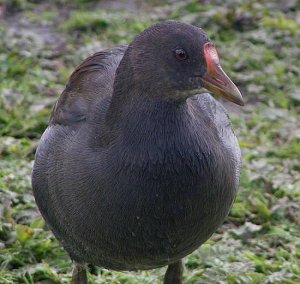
[(259, 48)]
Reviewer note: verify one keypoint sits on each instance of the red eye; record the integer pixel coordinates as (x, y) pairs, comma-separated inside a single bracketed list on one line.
[(180, 54)]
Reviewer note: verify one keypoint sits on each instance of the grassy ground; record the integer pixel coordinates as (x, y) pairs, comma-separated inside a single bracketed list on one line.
[(41, 43)]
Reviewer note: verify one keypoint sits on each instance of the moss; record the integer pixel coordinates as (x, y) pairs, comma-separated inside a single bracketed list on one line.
[(281, 23), (85, 21)]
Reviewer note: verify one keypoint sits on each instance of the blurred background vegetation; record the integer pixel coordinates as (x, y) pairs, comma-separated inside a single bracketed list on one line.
[(41, 42)]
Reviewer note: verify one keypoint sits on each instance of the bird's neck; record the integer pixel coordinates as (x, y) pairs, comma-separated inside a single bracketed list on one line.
[(138, 96), (140, 108), (159, 126)]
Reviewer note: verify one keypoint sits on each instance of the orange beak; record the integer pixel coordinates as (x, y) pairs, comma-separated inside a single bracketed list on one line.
[(215, 79)]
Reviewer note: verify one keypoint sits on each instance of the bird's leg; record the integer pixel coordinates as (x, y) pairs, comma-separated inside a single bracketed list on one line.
[(174, 273), (79, 274)]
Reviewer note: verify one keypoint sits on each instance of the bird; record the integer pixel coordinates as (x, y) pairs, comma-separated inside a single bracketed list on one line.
[(139, 165)]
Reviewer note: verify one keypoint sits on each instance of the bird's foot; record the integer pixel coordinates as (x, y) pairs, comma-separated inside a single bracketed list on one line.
[(79, 274), (174, 273)]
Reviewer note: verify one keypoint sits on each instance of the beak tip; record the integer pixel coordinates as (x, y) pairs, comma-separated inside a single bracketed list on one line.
[(240, 102), (235, 95)]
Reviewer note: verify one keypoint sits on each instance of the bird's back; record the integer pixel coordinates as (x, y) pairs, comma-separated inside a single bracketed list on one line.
[(89, 88)]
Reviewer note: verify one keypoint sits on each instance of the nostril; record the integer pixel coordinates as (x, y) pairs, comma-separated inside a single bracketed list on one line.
[(219, 81)]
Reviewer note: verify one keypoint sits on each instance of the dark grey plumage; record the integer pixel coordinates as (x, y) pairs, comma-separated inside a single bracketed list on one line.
[(128, 177)]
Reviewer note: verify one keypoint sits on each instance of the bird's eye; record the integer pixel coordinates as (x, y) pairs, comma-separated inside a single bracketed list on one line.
[(180, 54)]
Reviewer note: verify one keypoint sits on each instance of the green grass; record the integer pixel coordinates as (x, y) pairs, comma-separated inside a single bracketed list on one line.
[(260, 50), (84, 21)]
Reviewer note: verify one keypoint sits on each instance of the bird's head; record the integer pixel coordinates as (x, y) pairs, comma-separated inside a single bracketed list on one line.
[(178, 60)]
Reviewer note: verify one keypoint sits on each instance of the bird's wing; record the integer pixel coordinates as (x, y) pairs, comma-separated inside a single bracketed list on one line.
[(90, 83), (87, 94)]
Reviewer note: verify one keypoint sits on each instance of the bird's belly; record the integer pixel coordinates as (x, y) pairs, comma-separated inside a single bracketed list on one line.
[(132, 233)]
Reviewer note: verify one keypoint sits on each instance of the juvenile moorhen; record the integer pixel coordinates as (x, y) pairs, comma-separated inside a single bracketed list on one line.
[(138, 168)]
